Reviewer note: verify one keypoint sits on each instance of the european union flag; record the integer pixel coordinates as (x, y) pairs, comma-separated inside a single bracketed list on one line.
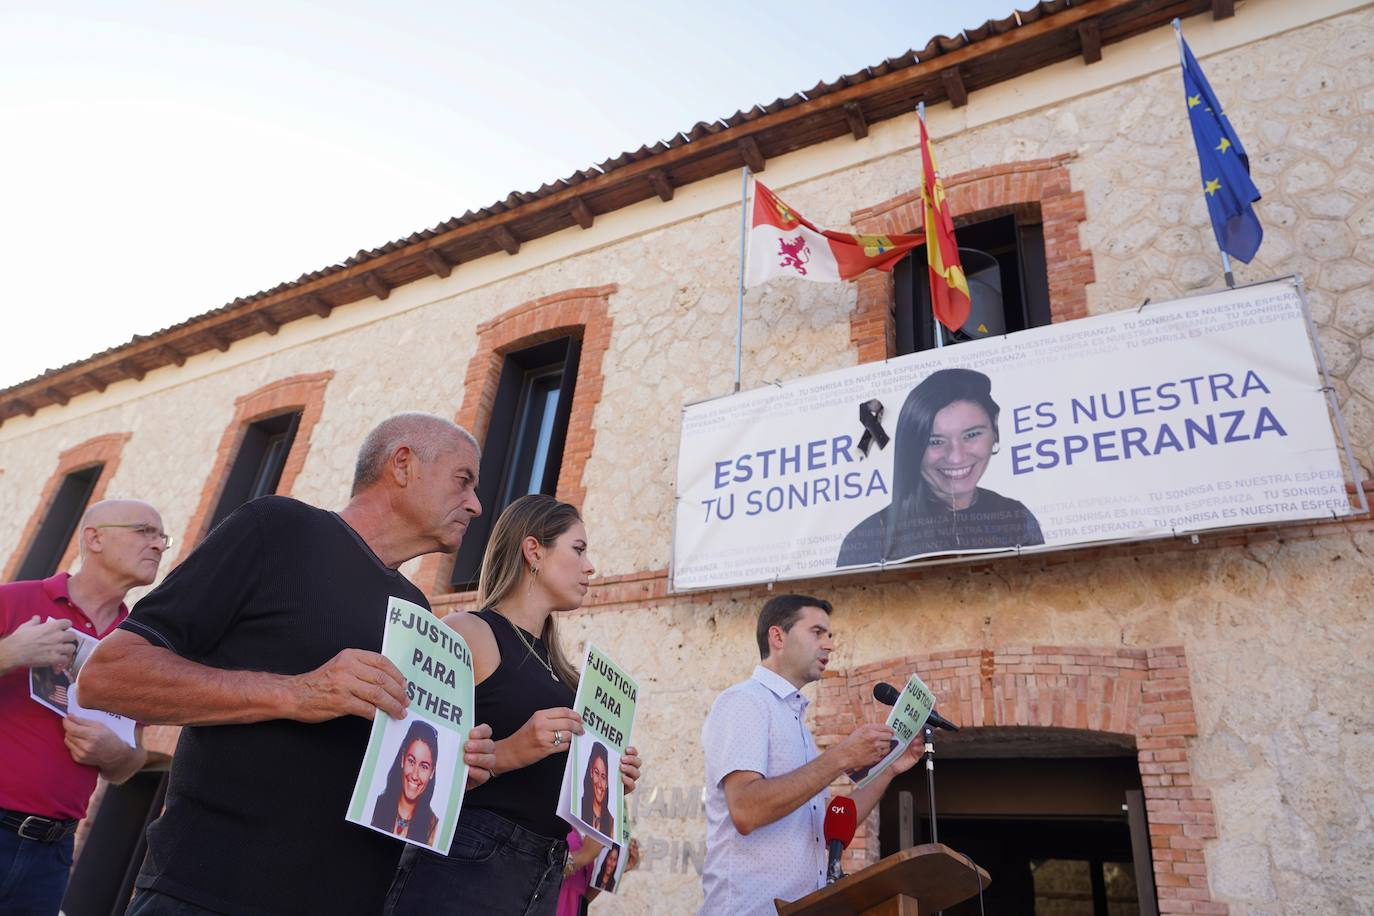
[(1225, 167)]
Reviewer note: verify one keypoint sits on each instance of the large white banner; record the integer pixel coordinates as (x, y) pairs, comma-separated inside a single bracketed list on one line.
[(1184, 416)]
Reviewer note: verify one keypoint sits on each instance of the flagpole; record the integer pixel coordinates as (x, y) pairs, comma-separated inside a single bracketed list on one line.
[(739, 304), (939, 332), (1183, 64)]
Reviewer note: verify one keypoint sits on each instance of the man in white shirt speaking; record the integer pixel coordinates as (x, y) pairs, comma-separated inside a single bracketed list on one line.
[(765, 781)]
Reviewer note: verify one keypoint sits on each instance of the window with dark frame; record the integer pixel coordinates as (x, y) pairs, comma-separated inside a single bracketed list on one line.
[(1004, 261), (524, 443), (258, 465), (59, 524)]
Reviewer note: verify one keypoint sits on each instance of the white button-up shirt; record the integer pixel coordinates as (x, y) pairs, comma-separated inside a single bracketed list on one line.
[(757, 725)]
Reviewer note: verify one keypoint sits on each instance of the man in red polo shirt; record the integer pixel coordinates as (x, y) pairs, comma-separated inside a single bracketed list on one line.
[(51, 762)]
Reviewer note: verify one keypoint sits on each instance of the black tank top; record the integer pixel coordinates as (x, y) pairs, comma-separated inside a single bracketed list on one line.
[(519, 687)]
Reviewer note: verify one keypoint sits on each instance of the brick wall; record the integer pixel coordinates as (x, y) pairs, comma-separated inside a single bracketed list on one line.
[(1140, 692), (297, 392), (582, 313), (1034, 190), (105, 450)]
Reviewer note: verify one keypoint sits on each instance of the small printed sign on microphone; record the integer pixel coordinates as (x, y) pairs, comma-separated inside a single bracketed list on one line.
[(906, 720)]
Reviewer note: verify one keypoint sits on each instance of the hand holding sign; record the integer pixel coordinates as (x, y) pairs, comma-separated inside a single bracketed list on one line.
[(629, 768), (91, 743), (353, 683), (479, 753), (865, 746), (905, 721), (548, 731), (38, 643)]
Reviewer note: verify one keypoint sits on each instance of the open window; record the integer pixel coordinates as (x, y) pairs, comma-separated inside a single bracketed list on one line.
[(1004, 261), (524, 444)]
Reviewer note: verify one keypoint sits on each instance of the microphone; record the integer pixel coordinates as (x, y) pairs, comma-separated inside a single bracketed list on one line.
[(888, 696), (841, 819)]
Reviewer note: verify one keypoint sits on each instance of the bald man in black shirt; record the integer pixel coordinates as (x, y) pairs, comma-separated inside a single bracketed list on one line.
[(265, 643)]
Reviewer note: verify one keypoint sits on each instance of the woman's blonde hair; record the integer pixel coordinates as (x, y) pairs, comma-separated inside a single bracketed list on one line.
[(545, 519)]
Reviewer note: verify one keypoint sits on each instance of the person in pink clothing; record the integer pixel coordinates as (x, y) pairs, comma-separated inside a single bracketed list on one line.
[(577, 874)]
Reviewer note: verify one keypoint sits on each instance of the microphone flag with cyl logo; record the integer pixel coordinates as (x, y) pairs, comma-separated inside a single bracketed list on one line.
[(783, 243), (841, 820)]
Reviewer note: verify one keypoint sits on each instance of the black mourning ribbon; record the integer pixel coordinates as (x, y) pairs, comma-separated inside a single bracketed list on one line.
[(871, 416)]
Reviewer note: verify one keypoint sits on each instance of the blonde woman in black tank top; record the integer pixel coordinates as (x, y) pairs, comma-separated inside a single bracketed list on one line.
[(509, 853)]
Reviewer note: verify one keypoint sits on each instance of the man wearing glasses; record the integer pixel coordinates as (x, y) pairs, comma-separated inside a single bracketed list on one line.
[(51, 762)]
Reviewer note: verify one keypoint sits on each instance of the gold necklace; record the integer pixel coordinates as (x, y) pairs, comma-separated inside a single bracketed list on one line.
[(521, 637)]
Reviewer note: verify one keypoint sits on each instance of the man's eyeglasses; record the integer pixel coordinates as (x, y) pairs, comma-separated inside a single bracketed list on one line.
[(149, 532)]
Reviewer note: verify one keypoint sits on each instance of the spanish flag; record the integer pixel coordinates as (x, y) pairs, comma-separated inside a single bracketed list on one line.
[(782, 243), (949, 297)]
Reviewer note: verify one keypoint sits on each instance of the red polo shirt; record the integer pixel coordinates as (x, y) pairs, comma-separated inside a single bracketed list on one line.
[(39, 775)]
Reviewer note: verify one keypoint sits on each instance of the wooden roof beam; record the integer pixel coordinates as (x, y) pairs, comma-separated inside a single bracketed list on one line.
[(436, 262), (505, 238), (264, 322), (751, 154), (130, 370), (1223, 9), (580, 212), (658, 180), (24, 406), (375, 284), (96, 384), (316, 305), (173, 354), (858, 124), (954, 86), (216, 340), (57, 396), (1090, 37)]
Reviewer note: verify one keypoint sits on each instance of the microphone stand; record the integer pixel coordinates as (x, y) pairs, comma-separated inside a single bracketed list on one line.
[(928, 755)]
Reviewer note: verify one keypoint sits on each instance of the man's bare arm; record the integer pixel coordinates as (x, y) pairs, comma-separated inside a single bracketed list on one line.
[(129, 675), (755, 801)]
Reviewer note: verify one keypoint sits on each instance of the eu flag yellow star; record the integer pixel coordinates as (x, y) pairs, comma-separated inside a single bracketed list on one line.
[(1212, 187), (1194, 100), (1224, 145)]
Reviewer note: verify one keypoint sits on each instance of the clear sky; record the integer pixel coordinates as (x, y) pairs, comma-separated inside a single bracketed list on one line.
[(162, 158)]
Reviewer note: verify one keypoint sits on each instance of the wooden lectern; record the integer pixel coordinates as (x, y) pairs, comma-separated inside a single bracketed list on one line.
[(914, 882)]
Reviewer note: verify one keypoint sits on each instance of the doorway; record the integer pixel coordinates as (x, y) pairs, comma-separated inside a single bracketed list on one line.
[(1055, 815)]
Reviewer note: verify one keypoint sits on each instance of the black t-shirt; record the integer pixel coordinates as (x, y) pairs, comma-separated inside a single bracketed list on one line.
[(992, 521), (254, 821)]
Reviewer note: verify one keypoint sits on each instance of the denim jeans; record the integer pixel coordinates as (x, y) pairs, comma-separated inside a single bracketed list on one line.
[(33, 875), (493, 866)]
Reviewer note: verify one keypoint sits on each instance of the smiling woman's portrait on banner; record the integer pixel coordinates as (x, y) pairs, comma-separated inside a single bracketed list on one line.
[(946, 437)]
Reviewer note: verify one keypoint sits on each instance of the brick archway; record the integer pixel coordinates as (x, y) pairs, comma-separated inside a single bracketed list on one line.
[(582, 312), (297, 392), (106, 450), (1036, 190), (1140, 692)]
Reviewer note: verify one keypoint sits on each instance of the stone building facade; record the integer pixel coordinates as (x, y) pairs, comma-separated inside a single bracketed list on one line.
[(1235, 667)]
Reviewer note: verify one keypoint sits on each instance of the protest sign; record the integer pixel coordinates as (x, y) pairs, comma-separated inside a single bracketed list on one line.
[(1185, 416), (907, 718), (412, 779), (610, 866), (593, 797), (57, 691)]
